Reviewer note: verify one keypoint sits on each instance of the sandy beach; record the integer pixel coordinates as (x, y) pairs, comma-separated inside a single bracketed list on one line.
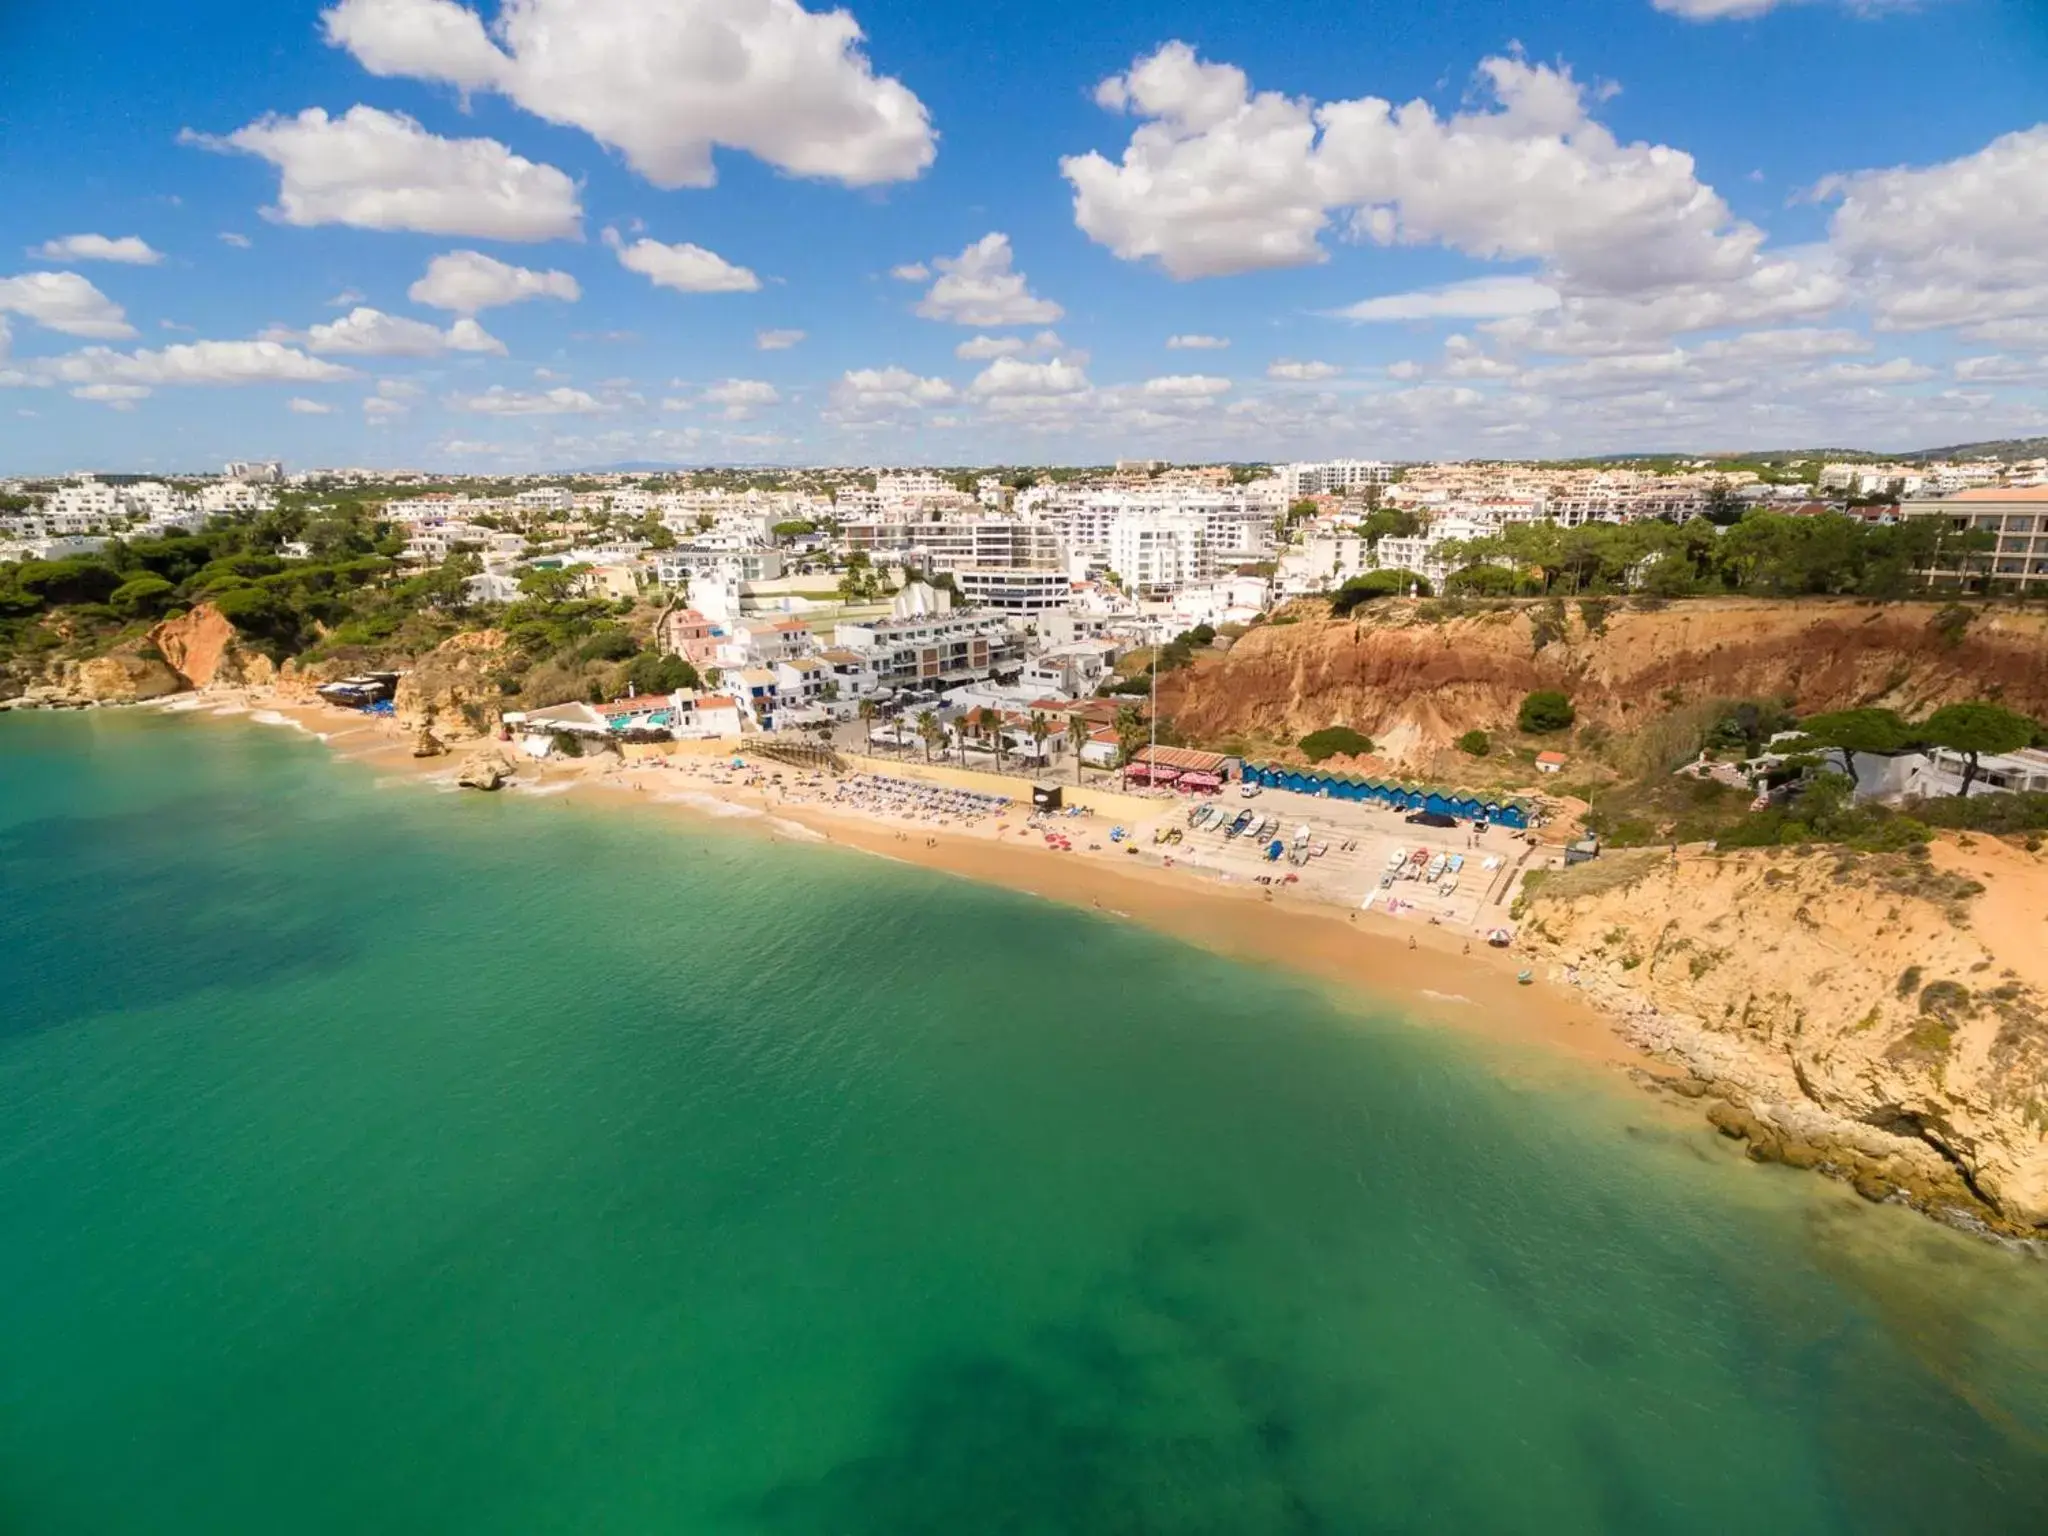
[(1436, 971)]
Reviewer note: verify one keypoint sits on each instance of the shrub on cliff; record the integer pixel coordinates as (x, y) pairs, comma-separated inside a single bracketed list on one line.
[(1374, 585), (1544, 711), (1475, 744), (1332, 740)]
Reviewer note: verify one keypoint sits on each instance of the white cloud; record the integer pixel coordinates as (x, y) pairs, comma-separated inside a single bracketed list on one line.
[(777, 341), (132, 250), (665, 81), (121, 397), (1196, 343), (867, 394), (1716, 10), (977, 287), (381, 170), (1748, 10), (194, 363), (742, 397), (299, 405), (1480, 298), (64, 301), (911, 272), (1783, 345), (366, 332), (348, 298), (239, 242), (1897, 370), (1008, 378), (1960, 243), (1186, 386), (469, 281), (380, 407), (400, 389), (500, 401), (686, 268), (2000, 369), (1218, 179), (1301, 373), (981, 348), (6, 339)]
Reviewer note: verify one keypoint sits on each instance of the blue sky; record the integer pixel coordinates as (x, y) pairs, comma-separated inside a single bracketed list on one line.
[(1479, 227)]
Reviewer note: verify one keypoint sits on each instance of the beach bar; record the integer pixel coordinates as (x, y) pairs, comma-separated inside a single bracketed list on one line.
[(1181, 768), (1465, 804)]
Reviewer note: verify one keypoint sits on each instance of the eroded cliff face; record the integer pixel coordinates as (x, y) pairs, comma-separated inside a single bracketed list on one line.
[(1414, 685), (205, 649), (120, 678), (453, 688), (1881, 1016)]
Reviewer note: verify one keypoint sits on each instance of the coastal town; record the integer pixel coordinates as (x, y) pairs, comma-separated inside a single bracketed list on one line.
[(1447, 708)]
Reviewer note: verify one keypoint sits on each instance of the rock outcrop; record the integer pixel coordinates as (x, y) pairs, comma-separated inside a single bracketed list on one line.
[(1414, 683), (1884, 1017), (205, 649), (427, 744), (488, 768), (120, 678), (453, 688)]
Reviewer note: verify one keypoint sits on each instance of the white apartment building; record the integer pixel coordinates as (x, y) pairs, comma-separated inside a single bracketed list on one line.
[(910, 485), (82, 506), (1015, 589), (674, 567), (1160, 552), (256, 471), (554, 500), (1334, 477), (431, 543), (242, 496), (931, 650)]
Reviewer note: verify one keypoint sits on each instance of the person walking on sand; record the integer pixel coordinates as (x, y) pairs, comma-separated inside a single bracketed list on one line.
[(1411, 941)]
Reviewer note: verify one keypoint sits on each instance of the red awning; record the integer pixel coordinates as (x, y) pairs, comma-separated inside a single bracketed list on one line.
[(1201, 781)]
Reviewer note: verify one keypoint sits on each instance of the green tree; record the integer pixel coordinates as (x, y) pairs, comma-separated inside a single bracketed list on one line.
[(145, 597), (867, 710), (1077, 738), (1544, 711), (929, 731), (1475, 744), (1849, 731), (1975, 729), (1041, 728)]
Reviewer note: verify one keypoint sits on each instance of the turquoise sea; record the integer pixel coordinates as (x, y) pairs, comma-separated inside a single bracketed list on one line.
[(379, 1160)]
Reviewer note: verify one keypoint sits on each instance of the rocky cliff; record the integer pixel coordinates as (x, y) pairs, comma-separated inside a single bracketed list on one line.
[(1414, 682), (454, 687), (1883, 1017), (205, 649)]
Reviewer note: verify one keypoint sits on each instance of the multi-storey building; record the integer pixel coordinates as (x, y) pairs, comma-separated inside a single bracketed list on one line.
[(2017, 518), (1160, 552), (1015, 589)]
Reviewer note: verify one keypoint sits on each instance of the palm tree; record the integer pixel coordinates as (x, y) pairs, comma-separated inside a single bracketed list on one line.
[(1040, 729), (992, 732), (1130, 735), (929, 729), (867, 718), (1077, 732)]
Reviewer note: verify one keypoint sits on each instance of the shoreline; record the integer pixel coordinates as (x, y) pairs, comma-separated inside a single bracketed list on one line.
[(1426, 972)]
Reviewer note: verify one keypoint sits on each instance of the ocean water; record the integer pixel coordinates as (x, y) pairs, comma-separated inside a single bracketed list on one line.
[(378, 1160)]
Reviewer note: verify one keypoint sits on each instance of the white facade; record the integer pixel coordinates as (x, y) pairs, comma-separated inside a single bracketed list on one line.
[(1162, 552), (1015, 591)]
